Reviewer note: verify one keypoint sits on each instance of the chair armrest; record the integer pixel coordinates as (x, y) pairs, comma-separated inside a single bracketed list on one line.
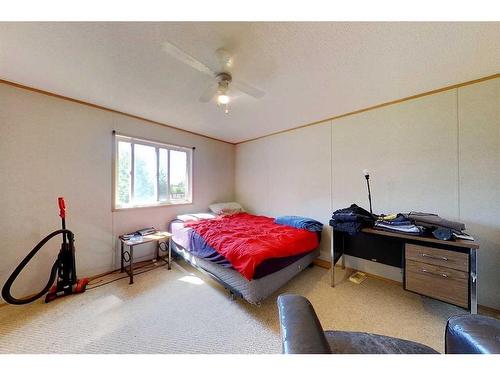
[(470, 334), (301, 331)]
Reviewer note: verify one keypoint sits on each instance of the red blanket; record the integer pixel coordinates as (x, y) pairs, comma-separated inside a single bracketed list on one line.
[(247, 240)]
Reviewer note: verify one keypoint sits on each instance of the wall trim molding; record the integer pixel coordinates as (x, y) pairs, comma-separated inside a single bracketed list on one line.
[(82, 102), (396, 101)]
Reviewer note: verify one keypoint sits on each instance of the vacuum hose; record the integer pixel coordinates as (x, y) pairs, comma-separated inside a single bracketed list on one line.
[(53, 273)]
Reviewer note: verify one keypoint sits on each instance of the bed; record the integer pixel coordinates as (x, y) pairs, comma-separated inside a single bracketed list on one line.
[(249, 255)]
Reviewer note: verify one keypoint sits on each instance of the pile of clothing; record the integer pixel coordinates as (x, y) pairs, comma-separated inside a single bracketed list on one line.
[(399, 223), (419, 223), (352, 219)]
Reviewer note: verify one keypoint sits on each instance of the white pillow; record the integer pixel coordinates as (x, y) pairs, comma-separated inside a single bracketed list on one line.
[(195, 217), (226, 208)]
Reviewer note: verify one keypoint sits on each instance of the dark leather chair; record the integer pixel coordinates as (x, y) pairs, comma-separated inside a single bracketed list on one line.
[(301, 333), (472, 334)]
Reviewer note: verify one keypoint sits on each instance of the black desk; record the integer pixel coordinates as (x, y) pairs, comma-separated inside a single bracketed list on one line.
[(402, 251)]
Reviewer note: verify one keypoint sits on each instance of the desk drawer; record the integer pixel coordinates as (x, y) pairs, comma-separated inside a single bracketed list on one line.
[(442, 283), (438, 257)]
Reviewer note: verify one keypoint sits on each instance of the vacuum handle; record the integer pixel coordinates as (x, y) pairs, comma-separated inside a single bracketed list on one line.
[(62, 207)]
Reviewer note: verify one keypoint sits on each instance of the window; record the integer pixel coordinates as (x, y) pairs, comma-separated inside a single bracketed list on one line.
[(151, 173)]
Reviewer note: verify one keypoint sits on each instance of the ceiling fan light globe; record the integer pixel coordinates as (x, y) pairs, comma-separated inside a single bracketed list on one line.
[(223, 99)]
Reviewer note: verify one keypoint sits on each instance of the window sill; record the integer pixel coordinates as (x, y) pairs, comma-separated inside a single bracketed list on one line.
[(169, 204)]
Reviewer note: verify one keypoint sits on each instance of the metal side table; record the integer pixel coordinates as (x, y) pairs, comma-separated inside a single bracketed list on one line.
[(127, 256)]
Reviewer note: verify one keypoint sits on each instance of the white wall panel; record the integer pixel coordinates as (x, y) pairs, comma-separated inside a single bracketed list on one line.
[(252, 176), (410, 150), (418, 160), (299, 182), (287, 174), (51, 147), (479, 119)]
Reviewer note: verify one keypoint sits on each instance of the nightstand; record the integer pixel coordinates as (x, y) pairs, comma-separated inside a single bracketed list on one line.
[(127, 256)]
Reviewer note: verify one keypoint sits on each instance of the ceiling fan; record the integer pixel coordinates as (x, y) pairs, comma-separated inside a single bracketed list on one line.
[(222, 77)]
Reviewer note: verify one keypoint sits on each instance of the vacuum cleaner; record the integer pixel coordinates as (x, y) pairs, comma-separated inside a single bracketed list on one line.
[(64, 268)]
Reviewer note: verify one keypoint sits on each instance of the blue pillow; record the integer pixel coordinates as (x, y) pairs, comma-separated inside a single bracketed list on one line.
[(300, 222)]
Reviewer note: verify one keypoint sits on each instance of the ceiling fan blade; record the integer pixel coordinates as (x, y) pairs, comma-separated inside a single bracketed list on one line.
[(209, 93), (187, 59), (247, 89)]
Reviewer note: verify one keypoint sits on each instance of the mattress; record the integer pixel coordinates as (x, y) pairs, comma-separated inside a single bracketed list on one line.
[(255, 290), (194, 244)]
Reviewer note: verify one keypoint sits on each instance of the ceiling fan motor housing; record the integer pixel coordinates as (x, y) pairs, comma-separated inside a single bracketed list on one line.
[(223, 80), (224, 77)]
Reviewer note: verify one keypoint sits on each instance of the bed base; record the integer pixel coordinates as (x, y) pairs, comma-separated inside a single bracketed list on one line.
[(254, 291), (234, 294)]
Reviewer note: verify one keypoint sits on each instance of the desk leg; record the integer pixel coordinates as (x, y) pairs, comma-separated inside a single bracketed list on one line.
[(473, 282), (169, 244), (131, 265), (121, 257), (343, 252), (332, 251)]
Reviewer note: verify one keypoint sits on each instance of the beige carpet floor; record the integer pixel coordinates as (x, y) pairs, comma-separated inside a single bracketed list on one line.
[(184, 311)]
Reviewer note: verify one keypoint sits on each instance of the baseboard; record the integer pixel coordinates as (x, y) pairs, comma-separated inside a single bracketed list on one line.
[(91, 278), (322, 263), (486, 310), (327, 264)]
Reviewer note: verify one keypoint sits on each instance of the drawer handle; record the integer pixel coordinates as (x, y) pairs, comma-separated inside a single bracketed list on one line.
[(434, 257), (434, 273)]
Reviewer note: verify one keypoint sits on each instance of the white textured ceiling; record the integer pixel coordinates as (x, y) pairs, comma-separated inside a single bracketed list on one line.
[(309, 71)]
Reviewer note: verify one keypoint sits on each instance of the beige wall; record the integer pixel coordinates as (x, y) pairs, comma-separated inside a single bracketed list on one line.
[(51, 147), (287, 174), (479, 143), (438, 153)]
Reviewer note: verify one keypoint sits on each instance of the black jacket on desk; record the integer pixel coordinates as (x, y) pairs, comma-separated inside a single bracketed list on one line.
[(352, 219)]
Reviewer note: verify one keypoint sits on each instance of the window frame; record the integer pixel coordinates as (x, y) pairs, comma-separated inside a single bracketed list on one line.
[(157, 145)]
